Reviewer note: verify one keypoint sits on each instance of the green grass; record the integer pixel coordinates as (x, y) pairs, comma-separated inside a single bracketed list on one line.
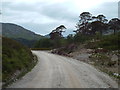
[(15, 57), (109, 42)]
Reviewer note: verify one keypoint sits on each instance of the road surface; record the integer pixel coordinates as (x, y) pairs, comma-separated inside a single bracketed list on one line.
[(54, 71)]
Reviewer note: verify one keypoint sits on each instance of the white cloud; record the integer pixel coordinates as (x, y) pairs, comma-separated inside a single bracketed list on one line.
[(42, 16), (34, 1), (26, 17)]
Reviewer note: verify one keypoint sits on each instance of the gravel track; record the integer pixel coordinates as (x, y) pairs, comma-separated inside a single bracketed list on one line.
[(54, 71)]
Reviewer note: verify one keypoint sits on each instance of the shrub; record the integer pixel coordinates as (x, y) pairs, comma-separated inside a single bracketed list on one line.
[(14, 57)]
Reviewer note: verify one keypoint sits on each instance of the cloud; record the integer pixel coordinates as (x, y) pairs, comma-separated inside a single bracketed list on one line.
[(60, 12), (41, 20), (42, 16), (109, 9), (47, 28)]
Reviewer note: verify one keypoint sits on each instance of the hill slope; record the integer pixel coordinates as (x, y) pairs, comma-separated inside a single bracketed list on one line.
[(20, 34), (16, 60), (15, 31)]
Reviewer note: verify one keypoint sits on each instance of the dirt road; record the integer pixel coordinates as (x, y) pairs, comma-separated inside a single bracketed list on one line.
[(54, 71)]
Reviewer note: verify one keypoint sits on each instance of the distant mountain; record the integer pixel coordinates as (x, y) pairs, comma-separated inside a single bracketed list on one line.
[(47, 36), (20, 34), (15, 31)]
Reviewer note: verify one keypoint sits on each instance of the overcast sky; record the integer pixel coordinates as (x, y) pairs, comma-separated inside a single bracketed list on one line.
[(42, 16)]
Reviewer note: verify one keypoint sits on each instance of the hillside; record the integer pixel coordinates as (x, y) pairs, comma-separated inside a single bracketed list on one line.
[(15, 31), (16, 60), (20, 34)]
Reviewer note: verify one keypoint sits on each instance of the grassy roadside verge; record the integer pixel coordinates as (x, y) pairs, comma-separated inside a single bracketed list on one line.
[(22, 73), (40, 48), (17, 60), (105, 55), (107, 63)]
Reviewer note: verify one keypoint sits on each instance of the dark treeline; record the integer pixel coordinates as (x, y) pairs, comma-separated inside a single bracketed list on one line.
[(88, 28), (25, 42)]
